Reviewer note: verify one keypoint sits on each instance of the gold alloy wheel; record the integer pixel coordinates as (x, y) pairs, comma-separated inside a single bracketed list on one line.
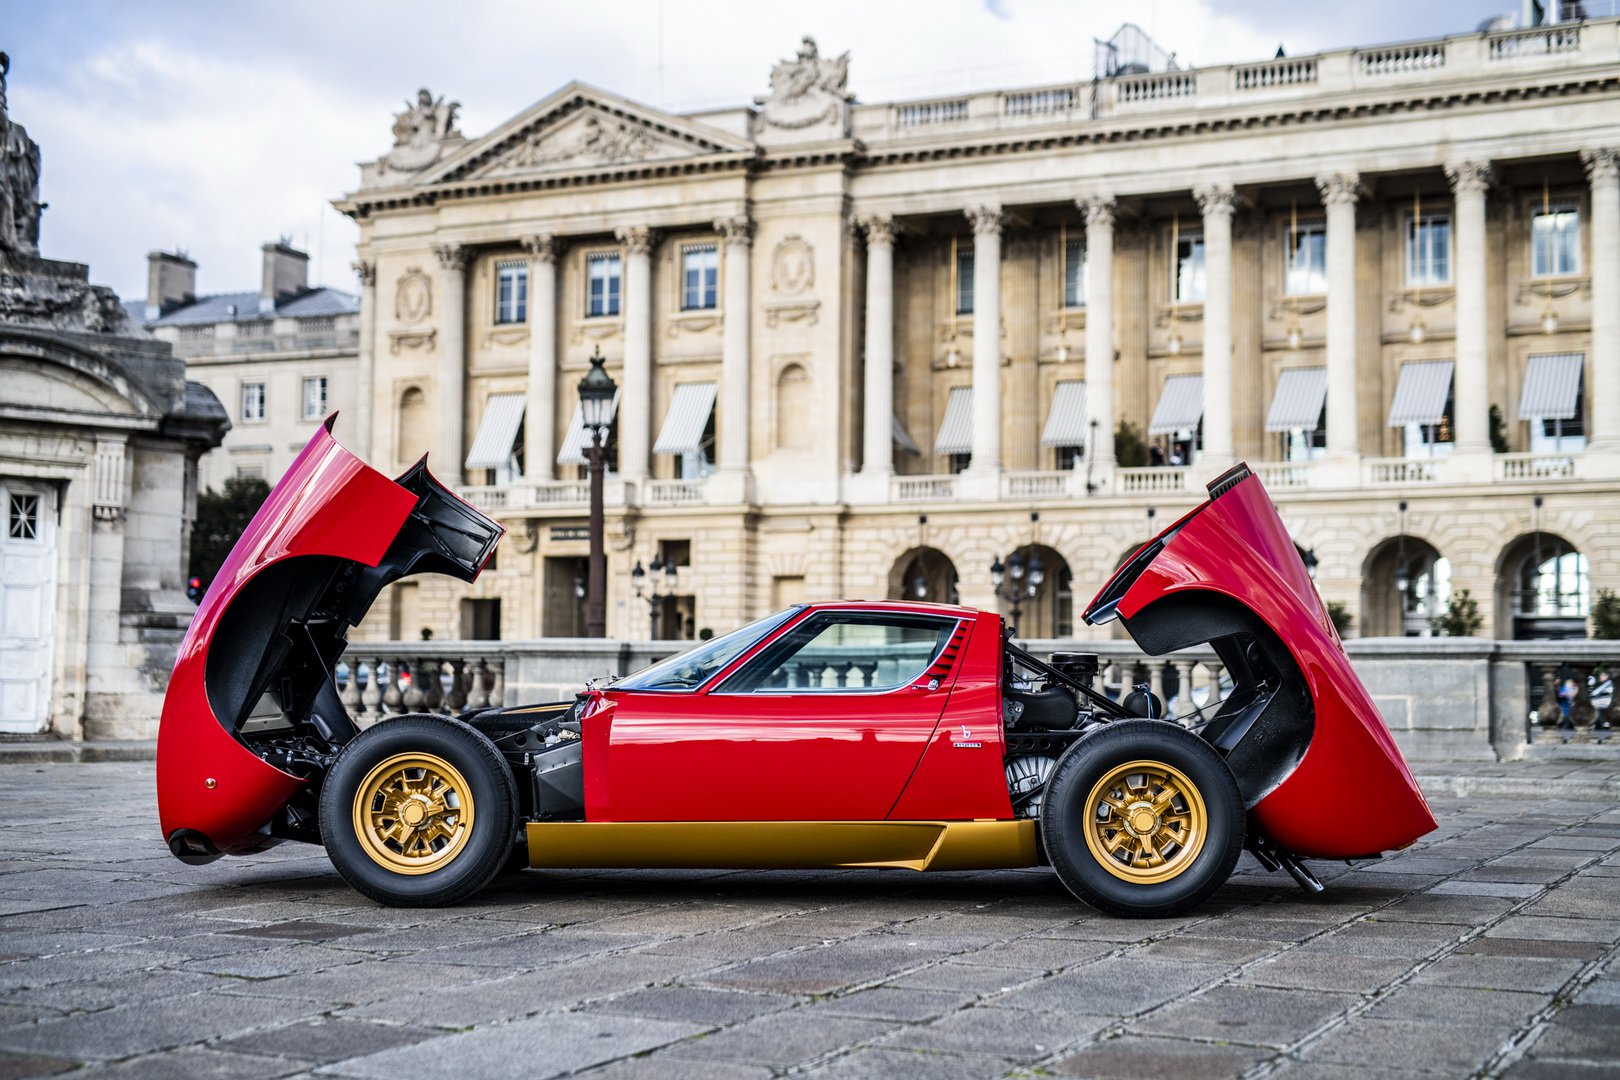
[(413, 813), (1145, 822)]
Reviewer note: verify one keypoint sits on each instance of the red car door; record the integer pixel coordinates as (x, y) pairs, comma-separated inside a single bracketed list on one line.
[(826, 722)]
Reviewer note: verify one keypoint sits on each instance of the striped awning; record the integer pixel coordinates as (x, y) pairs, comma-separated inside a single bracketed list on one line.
[(956, 430), (1301, 393), (688, 415), (497, 432), (1066, 421), (574, 443), (1421, 393), (903, 439), (1180, 407), (1552, 387)]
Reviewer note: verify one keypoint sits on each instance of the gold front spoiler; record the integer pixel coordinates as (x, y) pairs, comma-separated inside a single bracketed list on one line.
[(782, 845)]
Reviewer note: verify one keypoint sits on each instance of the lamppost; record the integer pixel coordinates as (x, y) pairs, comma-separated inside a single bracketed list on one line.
[(660, 589), (1018, 580), (596, 391)]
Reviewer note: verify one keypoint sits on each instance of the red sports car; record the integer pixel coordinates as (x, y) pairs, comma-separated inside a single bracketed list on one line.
[(828, 735)]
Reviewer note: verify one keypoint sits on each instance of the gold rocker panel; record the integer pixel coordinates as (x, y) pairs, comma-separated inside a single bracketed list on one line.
[(782, 845)]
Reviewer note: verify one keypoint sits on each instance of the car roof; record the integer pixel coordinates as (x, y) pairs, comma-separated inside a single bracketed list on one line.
[(912, 607)]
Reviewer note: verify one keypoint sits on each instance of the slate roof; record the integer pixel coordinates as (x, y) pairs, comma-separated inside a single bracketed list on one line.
[(244, 307)]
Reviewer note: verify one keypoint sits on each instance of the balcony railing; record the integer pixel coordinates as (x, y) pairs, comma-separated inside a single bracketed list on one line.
[(530, 495), (925, 113), (1539, 41), (1277, 476), (1275, 73), (923, 488), (381, 680), (674, 492), (1394, 472), (1402, 59), (1035, 485), (1152, 480), (1535, 466)]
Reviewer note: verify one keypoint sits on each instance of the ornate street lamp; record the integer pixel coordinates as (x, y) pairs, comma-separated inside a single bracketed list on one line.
[(1017, 580), (596, 392), (663, 583)]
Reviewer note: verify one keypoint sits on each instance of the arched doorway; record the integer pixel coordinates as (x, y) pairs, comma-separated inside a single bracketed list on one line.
[(1037, 592), (1405, 584), (925, 574), (1543, 588)]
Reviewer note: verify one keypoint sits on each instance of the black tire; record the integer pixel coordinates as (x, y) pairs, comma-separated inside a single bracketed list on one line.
[(459, 839), (1153, 872)]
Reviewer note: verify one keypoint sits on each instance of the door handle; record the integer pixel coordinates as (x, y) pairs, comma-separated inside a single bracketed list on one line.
[(927, 685)]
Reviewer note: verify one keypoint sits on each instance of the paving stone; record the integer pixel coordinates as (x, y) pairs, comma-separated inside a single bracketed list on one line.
[(1551, 928), (694, 1004), (1442, 1004), (1325, 971), (822, 970), (782, 1040), (368, 980), (146, 1026), (92, 994), (1245, 1014), (881, 1064), (954, 976), (1582, 1033), (1013, 1033), (196, 1063), (1044, 954), (1534, 1068), (1461, 909), (325, 1040), (548, 1045), (1395, 939), (1454, 1047), (504, 998), (1500, 972), (1541, 948), (17, 1066), (895, 1003), (1136, 1056), (1232, 951), (661, 1066), (1115, 986)]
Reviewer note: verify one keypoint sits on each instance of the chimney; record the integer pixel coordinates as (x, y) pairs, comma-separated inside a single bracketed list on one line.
[(286, 273), (171, 282)]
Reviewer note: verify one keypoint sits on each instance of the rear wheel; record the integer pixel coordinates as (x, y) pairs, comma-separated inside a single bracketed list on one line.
[(419, 811), (1142, 818)]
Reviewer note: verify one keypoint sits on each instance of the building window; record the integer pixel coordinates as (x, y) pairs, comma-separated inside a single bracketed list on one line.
[(1069, 456), (1074, 274), (1307, 261), (602, 283), (1428, 250), (511, 291), (700, 277), (250, 472), (1555, 240), (22, 517), (1188, 282), (1301, 444), (964, 281), (1432, 440), (315, 397), (958, 463), (252, 402)]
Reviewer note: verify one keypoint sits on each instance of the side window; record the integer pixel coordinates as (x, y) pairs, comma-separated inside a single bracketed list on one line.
[(846, 651)]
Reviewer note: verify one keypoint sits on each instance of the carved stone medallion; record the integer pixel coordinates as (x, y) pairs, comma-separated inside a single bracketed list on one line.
[(793, 266), (413, 297)]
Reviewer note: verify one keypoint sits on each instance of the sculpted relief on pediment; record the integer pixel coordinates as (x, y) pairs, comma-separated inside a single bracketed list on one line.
[(585, 140)]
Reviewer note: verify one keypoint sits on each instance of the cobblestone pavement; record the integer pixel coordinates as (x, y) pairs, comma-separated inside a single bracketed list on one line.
[(1488, 948)]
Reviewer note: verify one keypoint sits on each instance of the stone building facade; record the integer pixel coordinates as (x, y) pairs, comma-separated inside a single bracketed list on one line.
[(99, 439), (867, 349), (281, 358)]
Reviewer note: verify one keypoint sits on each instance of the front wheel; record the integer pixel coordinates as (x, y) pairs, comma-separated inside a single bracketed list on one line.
[(1143, 818), (419, 811)]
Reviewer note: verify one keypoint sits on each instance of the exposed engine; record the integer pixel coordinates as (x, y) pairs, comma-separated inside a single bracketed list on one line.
[(1042, 714)]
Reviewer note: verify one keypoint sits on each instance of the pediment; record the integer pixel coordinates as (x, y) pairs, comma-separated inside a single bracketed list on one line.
[(580, 128)]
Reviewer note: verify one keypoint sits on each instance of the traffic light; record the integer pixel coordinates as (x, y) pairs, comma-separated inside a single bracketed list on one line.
[(194, 589)]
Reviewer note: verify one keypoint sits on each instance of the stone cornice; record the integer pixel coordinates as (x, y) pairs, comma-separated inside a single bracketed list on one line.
[(854, 155)]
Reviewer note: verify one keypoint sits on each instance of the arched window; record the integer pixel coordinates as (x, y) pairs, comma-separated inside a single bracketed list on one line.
[(793, 412), (1545, 587), (1406, 584), (925, 574), (415, 432)]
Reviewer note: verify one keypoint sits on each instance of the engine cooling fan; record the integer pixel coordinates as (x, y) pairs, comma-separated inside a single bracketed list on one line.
[(1026, 776)]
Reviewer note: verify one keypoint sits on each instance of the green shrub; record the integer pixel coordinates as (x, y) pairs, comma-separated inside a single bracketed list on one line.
[(1461, 617)]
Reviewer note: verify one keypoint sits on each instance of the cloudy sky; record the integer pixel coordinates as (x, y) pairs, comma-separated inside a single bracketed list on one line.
[(213, 127)]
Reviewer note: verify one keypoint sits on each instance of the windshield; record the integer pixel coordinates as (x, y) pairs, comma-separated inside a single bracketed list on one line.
[(690, 670)]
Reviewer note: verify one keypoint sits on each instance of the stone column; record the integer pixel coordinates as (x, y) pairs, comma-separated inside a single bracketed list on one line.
[(359, 434), (735, 428), (1339, 194), (1215, 200), (877, 430), (1603, 419), (454, 259), (540, 412), (635, 399), (1471, 385), (1099, 211), (987, 225)]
